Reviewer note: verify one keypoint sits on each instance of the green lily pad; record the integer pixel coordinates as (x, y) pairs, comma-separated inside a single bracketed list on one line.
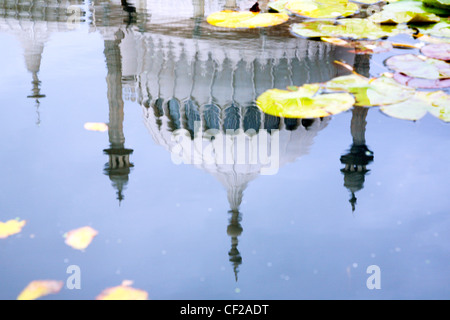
[(279, 6), (415, 108), (444, 4), (322, 9), (415, 6), (437, 51), (352, 29), (440, 30), (371, 92), (391, 17), (303, 102), (413, 66)]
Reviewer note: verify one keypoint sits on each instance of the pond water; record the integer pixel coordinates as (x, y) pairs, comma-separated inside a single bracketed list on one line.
[(349, 191)]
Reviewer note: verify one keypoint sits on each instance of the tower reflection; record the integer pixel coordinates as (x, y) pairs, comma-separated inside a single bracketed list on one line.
[(359, 156)]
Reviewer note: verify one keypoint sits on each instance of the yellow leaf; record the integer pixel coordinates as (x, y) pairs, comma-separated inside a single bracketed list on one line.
[(80, 238), (123, 292), (96, 126), (245, 19), (11, 227), (40, 288)]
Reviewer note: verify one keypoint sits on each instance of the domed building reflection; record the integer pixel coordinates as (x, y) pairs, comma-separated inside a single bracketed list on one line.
[(197, 86)]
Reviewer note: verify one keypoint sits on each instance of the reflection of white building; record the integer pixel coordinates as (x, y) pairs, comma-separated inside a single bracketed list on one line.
[(33, 22), (187, 74)]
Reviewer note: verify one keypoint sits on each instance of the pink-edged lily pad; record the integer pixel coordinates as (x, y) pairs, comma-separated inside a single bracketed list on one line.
[(437, 51), (419, 83)]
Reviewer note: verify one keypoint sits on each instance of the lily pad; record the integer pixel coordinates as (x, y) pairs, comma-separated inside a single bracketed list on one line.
[(80, 238), (303, 102), (413, 66), (444, 4), (322, 9), (246, 19), (437, 103), (371, 92), (415, 6), (279, 6), (437, 51), (361, 47), (393, 17), (440, 30), (11, 227), (40, 288), (351, 29), (123, 292), (420, 83)]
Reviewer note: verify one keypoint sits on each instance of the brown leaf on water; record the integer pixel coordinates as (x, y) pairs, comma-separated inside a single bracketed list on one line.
[(11, 227), (40, 288), (123, 292), (80, 238)]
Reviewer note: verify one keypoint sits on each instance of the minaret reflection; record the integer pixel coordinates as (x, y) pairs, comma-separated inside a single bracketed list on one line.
[(119, 166), (359, 155)]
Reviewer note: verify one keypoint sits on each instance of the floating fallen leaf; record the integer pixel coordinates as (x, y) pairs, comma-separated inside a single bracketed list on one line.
[(322, 9), (96, 126), (11, 227), (415, 108), (437, 51), (80, 238), (351, 29), (246, 19), (417, 67), (371, 92), (123, 292), (40, 288), (303, 102)]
